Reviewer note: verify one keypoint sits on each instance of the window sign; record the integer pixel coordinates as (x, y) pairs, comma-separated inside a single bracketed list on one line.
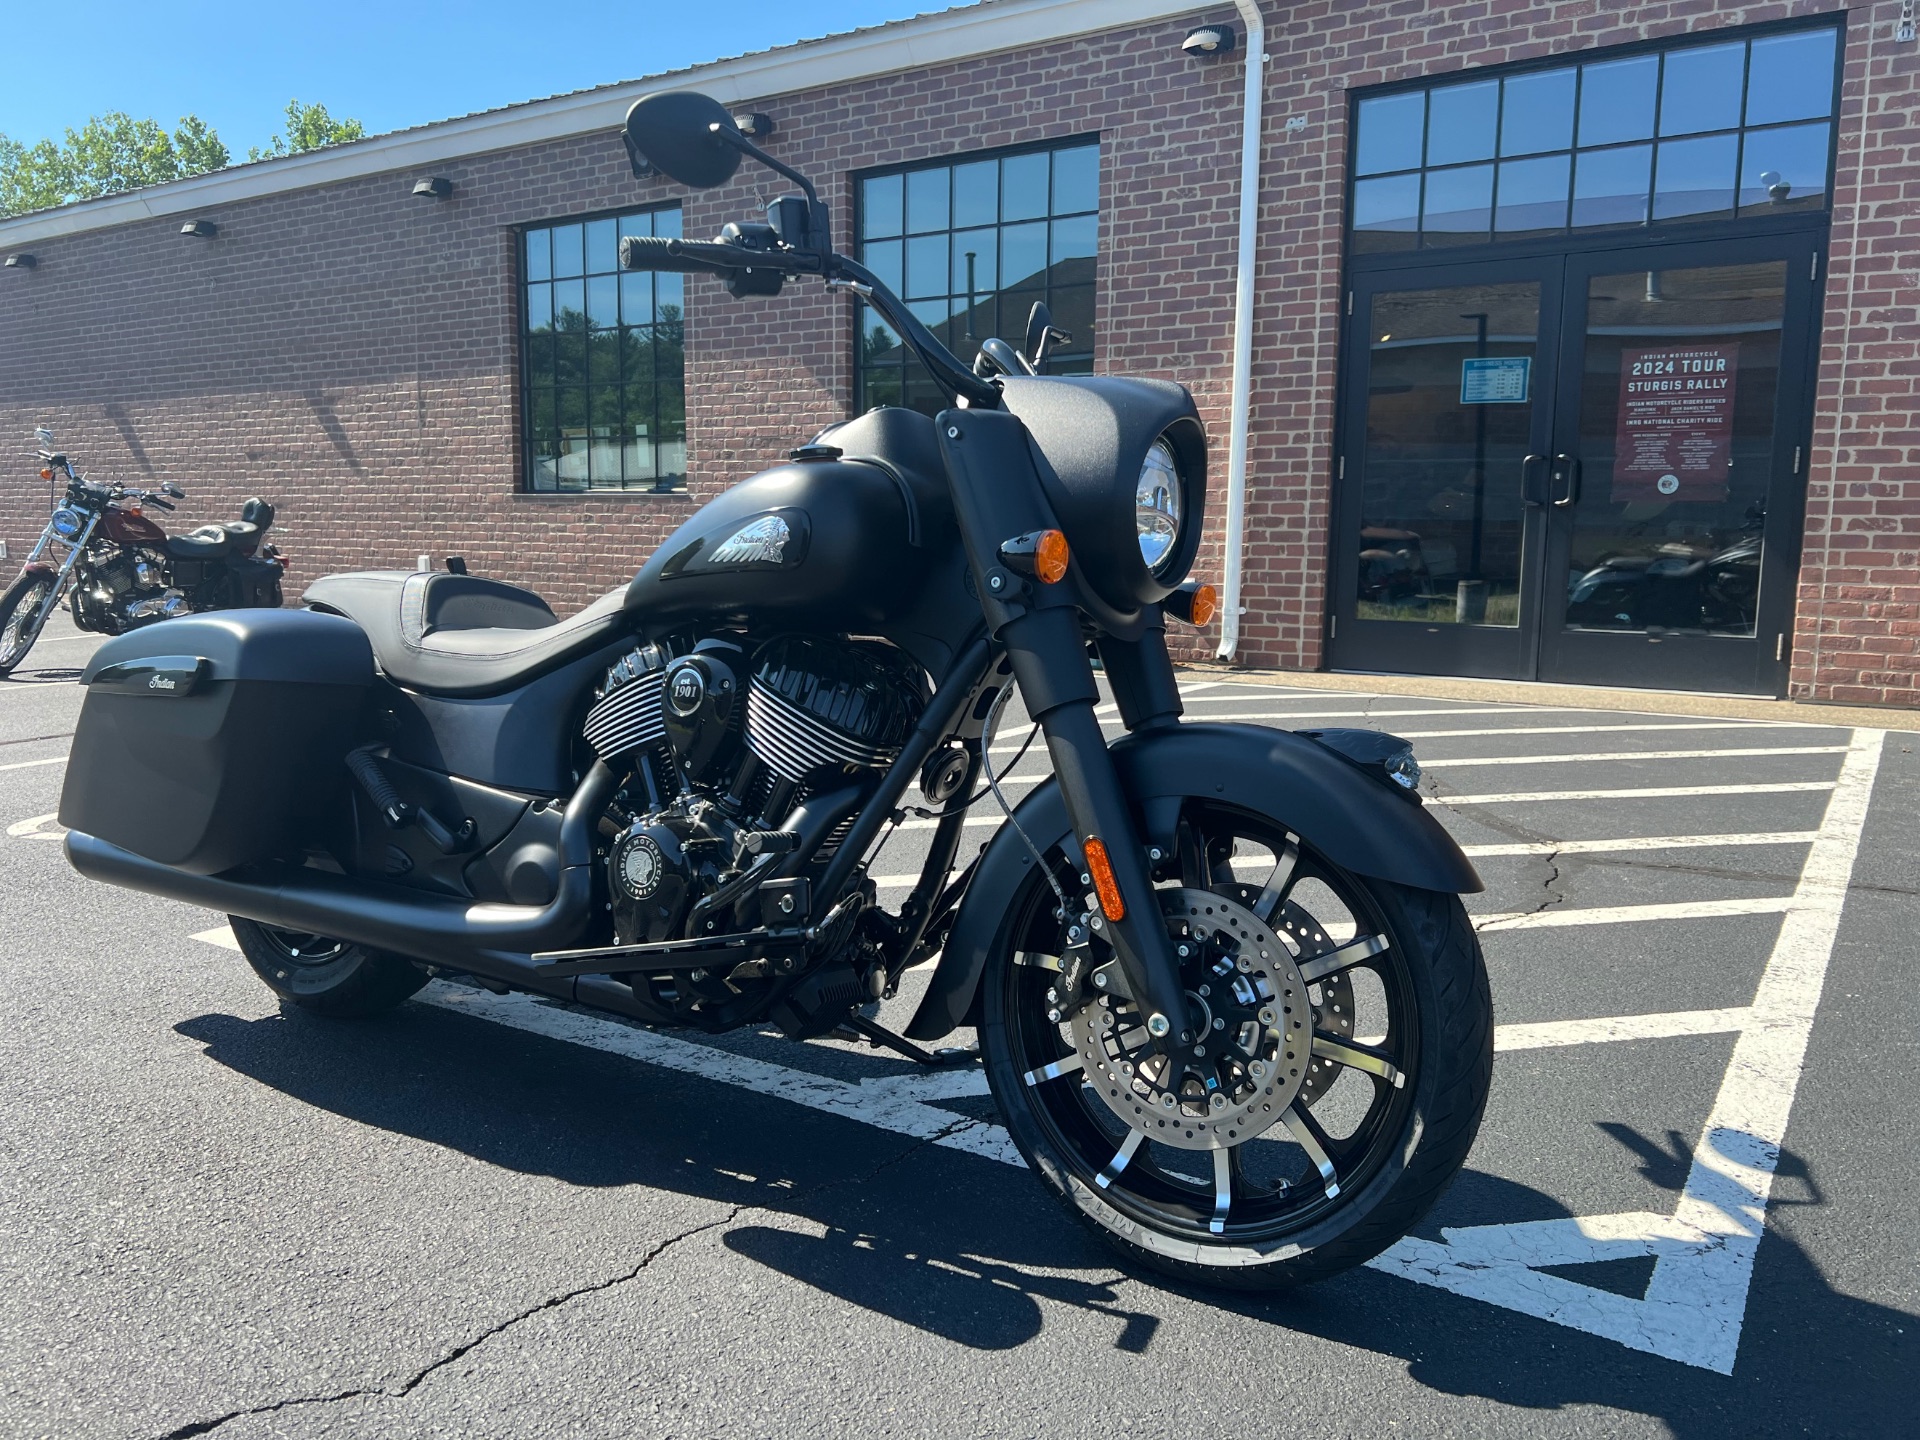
[(1495, 379), (1675, 436)]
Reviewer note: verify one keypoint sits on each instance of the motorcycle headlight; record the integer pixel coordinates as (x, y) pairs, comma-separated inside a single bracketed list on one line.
[(1159, 508), (67, 522)]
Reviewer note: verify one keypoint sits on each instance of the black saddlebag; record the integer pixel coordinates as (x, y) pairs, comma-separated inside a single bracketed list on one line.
[(256, 582), (217, 740)]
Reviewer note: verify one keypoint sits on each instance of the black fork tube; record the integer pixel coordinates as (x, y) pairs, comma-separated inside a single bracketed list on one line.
[(1056, 680)]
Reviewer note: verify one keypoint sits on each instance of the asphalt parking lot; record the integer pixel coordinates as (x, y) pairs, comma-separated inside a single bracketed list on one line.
[(1690, 1211)]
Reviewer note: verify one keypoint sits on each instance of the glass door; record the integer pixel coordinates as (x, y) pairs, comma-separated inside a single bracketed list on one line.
[(1677, 473), (1447, 423)]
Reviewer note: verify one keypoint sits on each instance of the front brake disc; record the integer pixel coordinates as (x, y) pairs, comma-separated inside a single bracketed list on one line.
[(1250, 1010)]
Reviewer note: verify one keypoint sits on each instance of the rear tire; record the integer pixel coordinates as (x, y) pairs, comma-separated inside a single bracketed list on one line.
[(18, 628), (324, 976)]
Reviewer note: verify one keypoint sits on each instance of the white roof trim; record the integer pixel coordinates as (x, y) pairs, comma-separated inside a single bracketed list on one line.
[(940, 39)]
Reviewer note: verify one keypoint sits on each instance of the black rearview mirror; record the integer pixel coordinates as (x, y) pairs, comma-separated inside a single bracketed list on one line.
[(673, 131)]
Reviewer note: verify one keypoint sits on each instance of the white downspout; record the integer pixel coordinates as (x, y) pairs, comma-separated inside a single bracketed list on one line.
[(1243, 325)]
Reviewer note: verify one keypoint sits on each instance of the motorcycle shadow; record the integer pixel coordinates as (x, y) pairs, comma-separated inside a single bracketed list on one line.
[(62, 675), (972, 1251)]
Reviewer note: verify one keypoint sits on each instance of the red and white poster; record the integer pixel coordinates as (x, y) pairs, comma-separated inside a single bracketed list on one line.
[(1675, 432)]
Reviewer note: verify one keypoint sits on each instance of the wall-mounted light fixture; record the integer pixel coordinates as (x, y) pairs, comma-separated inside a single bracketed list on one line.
[(1209, 42), (436, 188), (21, 261), (200, 229), (754, 125)]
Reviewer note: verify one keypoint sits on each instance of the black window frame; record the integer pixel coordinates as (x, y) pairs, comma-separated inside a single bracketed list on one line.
[(672, 482), (1075, 358), (1743, 219)]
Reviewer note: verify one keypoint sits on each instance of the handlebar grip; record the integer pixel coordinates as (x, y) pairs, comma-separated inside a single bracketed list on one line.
[(652, 252)]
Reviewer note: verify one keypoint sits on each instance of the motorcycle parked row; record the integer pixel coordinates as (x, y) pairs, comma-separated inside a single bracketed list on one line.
[(118, 570), (1227, 997)]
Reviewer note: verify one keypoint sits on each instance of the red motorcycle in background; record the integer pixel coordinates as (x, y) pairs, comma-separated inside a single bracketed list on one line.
[(120, 571)]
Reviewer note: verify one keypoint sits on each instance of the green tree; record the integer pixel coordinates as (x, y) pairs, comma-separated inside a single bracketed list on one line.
[(309, 127), (109, 154)]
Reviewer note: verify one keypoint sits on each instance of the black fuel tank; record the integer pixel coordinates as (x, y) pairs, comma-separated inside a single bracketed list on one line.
[(822, 542)]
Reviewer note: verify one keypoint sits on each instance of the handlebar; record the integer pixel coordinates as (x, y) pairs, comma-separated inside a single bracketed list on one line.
[(706, 257)]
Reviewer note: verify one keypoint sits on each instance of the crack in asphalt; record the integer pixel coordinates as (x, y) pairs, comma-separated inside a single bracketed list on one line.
[(552, 1302), (382, 1392)]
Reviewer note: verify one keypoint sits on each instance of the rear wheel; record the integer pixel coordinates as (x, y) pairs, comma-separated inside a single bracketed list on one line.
[(21, 618), (1346, 1046), (328, 977)]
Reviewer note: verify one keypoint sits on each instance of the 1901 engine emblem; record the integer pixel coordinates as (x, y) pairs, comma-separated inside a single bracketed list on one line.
[(639, 867)]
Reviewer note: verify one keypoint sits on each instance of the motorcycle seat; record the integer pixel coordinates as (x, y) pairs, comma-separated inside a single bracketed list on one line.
[(462, 635), (241, 531), (209, 542)]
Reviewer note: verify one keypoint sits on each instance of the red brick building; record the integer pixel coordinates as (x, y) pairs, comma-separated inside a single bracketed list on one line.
[(1583, 339)]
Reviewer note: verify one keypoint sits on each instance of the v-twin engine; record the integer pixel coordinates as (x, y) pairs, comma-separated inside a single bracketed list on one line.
[(738, 753)]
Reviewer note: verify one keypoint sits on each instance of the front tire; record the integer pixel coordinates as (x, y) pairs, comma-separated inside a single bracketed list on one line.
[(324, 976), (1284, 1157), (21, 618)]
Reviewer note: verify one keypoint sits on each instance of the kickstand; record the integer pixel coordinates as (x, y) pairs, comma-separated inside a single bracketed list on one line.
[(882, 1038)]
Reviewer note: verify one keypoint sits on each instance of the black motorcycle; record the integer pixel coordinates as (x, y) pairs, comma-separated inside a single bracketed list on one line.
[(1227, 997), (118, 570)]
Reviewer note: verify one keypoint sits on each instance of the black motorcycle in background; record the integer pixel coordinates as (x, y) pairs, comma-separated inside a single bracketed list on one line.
[(1229, 1003), (119, 570)]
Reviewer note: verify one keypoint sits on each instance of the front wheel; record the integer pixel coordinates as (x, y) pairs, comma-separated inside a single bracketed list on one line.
[(326, 976), (22, 613), (1346, 1048)]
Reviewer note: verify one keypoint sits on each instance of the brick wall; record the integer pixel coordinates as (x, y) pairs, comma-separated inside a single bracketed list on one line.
[(350, 350)]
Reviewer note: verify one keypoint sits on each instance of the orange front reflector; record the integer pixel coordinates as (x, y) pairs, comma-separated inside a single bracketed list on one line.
[(1206, 600), (1104, 885), (1050, 557)]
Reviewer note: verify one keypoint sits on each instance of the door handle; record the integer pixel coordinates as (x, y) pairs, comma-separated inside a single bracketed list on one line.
[(1566, 479), (1532, 492)]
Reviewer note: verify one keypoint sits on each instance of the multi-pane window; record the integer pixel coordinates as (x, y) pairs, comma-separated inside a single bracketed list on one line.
[(970, 244), (603, 355), (1704, 131)]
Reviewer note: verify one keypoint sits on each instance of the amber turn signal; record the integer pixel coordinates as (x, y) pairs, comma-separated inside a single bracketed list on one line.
[(46, 474), (1050, 557), (1041, 554), (1104, 885), (1194, 603)]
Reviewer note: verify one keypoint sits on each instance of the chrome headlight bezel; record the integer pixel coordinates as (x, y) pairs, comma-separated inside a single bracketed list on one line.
[(1160, 508), (67, 523)]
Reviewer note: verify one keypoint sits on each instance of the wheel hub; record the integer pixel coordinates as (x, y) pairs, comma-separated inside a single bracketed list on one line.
[(1246, 998)]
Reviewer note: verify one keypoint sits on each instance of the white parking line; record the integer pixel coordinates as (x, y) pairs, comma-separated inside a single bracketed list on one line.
[(1695, 1303), (1640, 842), (880, 1106), (1656, 792), (1606, 729), (1451, 761), (1552, 1034), (1632, 914), (31, 764)]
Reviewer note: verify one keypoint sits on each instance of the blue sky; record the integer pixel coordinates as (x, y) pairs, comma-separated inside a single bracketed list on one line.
[(388, 65)]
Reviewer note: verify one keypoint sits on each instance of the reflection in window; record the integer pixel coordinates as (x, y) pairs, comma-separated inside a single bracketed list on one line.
[(970, 246), (602, 360), (1571, 147)]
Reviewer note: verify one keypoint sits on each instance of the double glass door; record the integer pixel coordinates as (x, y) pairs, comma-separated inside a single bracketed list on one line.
[(1585, 468)]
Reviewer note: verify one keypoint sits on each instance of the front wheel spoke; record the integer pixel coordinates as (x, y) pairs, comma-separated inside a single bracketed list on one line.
[(1358, 1057), (1222, 1190), (1310, 1138), (1066, 1065), (1120, 1159), (1345, 957), (1279, 882)]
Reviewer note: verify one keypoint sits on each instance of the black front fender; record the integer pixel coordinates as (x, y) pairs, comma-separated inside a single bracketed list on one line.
[(1337, 808)]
